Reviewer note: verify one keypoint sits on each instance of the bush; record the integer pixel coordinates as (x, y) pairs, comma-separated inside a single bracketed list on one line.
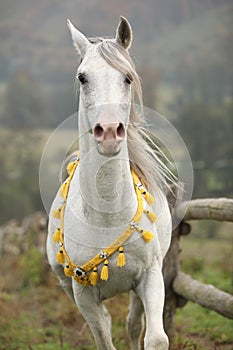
[(32, 264), (19, 184)]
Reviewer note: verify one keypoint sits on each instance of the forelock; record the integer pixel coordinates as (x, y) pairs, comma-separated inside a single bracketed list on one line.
[(117, 57)]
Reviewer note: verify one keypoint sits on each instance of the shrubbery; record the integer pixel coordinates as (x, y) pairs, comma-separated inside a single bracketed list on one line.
[(19, 185)]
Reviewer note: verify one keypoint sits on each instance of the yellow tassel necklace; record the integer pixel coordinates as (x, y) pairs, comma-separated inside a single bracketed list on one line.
[(88, 274)]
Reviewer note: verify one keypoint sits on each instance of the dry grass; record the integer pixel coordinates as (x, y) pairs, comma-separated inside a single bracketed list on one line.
[(36, 314)]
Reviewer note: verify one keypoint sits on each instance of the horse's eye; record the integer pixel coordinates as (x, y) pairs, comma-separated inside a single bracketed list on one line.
[(82, 78), (128, 79)]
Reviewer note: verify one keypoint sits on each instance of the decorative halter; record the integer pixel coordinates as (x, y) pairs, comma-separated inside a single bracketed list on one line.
[(87, 274)]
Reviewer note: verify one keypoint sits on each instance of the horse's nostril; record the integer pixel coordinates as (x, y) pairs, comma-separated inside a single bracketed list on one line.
[(98, 131), (120, 131)]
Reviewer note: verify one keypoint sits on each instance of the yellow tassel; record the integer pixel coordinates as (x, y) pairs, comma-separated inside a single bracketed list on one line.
[(63, 190), (68, 271), (149, 198), (60, 257), (104, 271), (121, 258), (147, 236), (57, 213), (70, 167), (56, 236), (93, 278), (152, 216)]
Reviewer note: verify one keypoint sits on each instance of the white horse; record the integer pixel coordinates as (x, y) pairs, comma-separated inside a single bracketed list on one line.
[(103, 238)]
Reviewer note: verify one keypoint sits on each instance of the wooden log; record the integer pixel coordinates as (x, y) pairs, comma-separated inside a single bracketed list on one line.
[(203, 294), (208, 208)]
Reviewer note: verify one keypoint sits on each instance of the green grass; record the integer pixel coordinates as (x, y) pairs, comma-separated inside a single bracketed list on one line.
[(209, 261), (36, 314), (204, 322)]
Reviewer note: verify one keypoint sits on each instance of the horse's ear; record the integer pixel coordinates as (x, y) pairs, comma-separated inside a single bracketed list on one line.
[(124, 34), (79, 40)]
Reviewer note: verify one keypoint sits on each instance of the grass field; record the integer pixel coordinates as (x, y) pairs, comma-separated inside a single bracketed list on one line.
[(36, 314)]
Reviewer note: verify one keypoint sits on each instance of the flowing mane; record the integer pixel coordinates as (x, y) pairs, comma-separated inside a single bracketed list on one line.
[(144, 159)]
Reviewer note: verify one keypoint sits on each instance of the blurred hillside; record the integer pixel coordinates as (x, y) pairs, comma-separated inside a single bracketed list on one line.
[(182, 50), (175, 40)]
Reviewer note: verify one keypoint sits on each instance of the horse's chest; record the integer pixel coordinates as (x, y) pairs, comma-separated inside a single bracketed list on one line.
[(138, 258), (81, 250), (84, 241)]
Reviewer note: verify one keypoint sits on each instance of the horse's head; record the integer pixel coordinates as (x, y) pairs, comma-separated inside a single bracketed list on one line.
[(107, 77)]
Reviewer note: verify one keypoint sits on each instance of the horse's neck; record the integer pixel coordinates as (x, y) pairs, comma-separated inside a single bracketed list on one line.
[(108, 195)]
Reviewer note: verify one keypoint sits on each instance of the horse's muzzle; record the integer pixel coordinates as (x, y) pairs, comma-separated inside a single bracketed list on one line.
[(108, 138)]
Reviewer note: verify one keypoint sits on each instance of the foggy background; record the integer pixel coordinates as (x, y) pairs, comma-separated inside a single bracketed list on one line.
[(182, 50)]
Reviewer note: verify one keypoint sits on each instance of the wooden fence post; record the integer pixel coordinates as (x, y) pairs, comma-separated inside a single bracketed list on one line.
[(179, 287), (171, 265), (171, 268)]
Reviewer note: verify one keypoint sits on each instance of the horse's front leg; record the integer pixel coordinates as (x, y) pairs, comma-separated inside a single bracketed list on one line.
[(96, 316), (151, 292), (135, 321)]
